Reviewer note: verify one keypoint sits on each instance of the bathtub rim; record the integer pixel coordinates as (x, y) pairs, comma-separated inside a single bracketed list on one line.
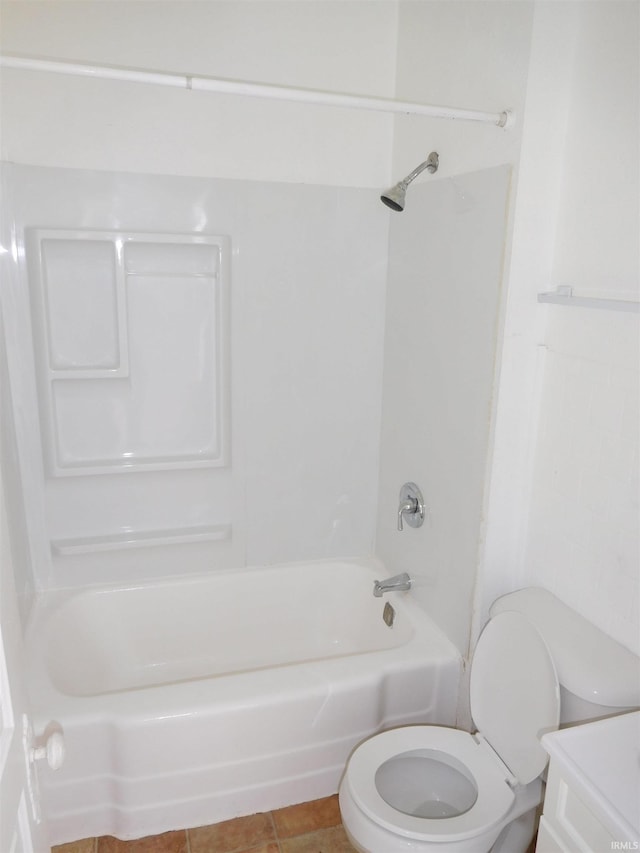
[(351, 625), (272, 682)]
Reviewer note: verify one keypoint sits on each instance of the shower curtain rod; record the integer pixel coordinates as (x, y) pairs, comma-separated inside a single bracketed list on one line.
[(253, 90)]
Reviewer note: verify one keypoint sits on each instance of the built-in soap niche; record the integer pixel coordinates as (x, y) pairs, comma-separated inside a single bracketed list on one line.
[(131, 335)]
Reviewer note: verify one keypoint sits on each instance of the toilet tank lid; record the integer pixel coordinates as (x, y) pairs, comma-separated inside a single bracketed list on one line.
[(589, 663)]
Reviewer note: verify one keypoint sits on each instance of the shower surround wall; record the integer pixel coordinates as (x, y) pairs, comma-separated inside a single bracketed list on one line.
[(446, 253), (296, 477)]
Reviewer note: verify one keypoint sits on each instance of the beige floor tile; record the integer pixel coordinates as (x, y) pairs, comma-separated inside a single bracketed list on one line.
[(86, 845), (168, 842), (331, 840), (307, 817), (274, 847), (234, 836)]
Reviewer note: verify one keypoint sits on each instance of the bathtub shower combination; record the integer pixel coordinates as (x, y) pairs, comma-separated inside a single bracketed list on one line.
[(184, 703), (188, 688), (178, 349)]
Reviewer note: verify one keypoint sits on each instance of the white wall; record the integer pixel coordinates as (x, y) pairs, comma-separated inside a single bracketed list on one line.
[(534, 215), (91, 124), (563, 512), (597, 241), (584, 538), (461, 54)]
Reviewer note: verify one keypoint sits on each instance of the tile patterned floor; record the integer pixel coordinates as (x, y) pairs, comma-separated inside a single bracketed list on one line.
[(313, 827)]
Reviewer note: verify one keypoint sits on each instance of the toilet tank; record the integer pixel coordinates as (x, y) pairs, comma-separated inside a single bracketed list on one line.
[(598, 677)]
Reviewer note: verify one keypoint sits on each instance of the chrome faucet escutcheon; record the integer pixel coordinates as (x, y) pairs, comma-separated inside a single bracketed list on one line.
[(411, 508)]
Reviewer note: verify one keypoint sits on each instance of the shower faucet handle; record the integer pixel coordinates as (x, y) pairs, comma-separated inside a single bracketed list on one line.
[(411, 507)]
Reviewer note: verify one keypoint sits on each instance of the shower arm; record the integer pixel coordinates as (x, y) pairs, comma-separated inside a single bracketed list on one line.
[(431, 163)]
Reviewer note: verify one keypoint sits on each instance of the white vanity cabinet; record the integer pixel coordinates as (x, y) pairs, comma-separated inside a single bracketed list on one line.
[(568, 824), (592, 802)]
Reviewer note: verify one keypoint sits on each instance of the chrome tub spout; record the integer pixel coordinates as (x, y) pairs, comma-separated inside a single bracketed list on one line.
[(397, 582)]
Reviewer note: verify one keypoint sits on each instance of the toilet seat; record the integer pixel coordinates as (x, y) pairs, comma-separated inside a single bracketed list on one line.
[(514, 693), (495, 796)]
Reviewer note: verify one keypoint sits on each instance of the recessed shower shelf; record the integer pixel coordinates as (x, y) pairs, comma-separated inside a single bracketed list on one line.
[(140, 539), (565, 296), (150, 311)]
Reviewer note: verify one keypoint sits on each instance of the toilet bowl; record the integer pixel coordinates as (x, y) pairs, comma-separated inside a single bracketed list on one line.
[(430, 788), (423, 788)]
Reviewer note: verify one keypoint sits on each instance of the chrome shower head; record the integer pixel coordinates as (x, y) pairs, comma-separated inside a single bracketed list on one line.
[(395, 196)]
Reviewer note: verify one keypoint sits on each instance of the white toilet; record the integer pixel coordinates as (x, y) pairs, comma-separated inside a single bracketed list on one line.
[(429, 788)]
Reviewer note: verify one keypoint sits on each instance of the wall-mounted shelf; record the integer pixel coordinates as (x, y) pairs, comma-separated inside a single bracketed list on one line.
[(564, 296), (140, 539)]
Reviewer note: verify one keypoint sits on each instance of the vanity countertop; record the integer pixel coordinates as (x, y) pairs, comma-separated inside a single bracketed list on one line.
[(601, 763)]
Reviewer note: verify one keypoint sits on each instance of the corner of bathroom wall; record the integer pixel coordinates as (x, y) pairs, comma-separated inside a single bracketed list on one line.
[(571, 125), (584, 530), (533, 223)]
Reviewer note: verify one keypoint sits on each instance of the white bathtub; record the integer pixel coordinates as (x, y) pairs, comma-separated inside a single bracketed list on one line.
[(187, 702)]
